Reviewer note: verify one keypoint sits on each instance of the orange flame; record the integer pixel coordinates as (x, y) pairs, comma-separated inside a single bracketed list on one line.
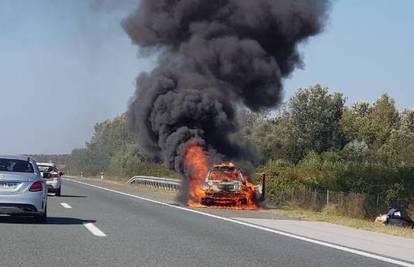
[(197, 162)]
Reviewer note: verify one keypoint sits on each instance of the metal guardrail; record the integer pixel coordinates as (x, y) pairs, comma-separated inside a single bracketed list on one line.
[(160, 182)]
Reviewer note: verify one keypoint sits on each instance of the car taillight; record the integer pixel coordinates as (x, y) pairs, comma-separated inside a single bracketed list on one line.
[(36, 187)]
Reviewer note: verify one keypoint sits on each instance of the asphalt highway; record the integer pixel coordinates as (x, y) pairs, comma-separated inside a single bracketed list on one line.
[(89, 226)]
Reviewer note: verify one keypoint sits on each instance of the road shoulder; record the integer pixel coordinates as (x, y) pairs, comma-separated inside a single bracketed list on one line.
[(377, 243)]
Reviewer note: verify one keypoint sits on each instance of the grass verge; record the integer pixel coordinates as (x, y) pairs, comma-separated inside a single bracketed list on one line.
[(330, 217)]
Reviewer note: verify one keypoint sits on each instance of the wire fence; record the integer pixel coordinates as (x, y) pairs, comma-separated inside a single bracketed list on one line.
[(355, 205)]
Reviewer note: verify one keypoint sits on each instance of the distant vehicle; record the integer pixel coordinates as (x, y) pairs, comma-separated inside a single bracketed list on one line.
[(23, 190), (53, 177), (225, 184)]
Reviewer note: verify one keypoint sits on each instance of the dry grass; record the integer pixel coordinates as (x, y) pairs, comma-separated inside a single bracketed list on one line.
[(329, 216)]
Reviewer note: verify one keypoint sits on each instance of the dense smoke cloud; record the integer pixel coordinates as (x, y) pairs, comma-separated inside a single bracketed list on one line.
[(214, 57)]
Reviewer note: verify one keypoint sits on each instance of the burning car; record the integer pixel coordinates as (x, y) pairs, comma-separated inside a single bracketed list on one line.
[(225, 184)]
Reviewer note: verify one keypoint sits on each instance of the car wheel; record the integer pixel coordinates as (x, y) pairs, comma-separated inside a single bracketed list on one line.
[(207, 201), (41, 218), (58, 192)]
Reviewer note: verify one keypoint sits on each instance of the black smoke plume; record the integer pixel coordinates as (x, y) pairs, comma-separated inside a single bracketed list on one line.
[(215, 57)]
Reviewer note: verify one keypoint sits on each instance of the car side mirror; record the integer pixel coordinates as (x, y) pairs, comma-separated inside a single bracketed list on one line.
[(61, 173)]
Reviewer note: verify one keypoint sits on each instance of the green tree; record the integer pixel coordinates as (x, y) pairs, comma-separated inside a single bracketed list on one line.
[(316, 120), (273, 137), (109, 138), (113, 150), (398, 150), (407, 121), (78, 161), (372, 124)]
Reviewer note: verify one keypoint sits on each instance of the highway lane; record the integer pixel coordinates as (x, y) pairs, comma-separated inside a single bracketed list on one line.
[(141, 233)]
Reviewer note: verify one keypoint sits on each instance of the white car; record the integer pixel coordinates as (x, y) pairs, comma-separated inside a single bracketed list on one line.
[(22, 189), (53, 177)]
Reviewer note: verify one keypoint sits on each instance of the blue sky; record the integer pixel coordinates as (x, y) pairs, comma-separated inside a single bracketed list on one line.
[(365, 51), (65, 65)]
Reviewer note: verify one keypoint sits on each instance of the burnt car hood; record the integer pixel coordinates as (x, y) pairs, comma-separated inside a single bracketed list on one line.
[(226, 186)]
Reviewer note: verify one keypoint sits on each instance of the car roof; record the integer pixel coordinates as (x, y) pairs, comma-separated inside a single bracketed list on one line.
[(16, 157), (46, 164)]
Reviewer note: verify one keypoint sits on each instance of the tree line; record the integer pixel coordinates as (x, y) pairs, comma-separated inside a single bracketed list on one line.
[(113, 151)]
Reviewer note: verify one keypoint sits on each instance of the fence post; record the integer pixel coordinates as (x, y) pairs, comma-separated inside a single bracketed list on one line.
[(327, 197), (263, 197), (378, 208)]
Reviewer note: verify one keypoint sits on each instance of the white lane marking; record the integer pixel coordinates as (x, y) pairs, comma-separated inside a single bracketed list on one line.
[(309, 240), (94, 230), (65, 205)]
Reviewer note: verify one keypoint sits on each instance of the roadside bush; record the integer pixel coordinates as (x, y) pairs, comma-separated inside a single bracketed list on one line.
[(358, 190)]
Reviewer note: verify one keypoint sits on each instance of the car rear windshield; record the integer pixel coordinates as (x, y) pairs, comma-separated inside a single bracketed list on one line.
[(15, 165), (44, 168)]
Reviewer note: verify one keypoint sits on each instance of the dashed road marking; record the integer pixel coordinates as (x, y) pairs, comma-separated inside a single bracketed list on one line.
[(94, 230), (65, 205)]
